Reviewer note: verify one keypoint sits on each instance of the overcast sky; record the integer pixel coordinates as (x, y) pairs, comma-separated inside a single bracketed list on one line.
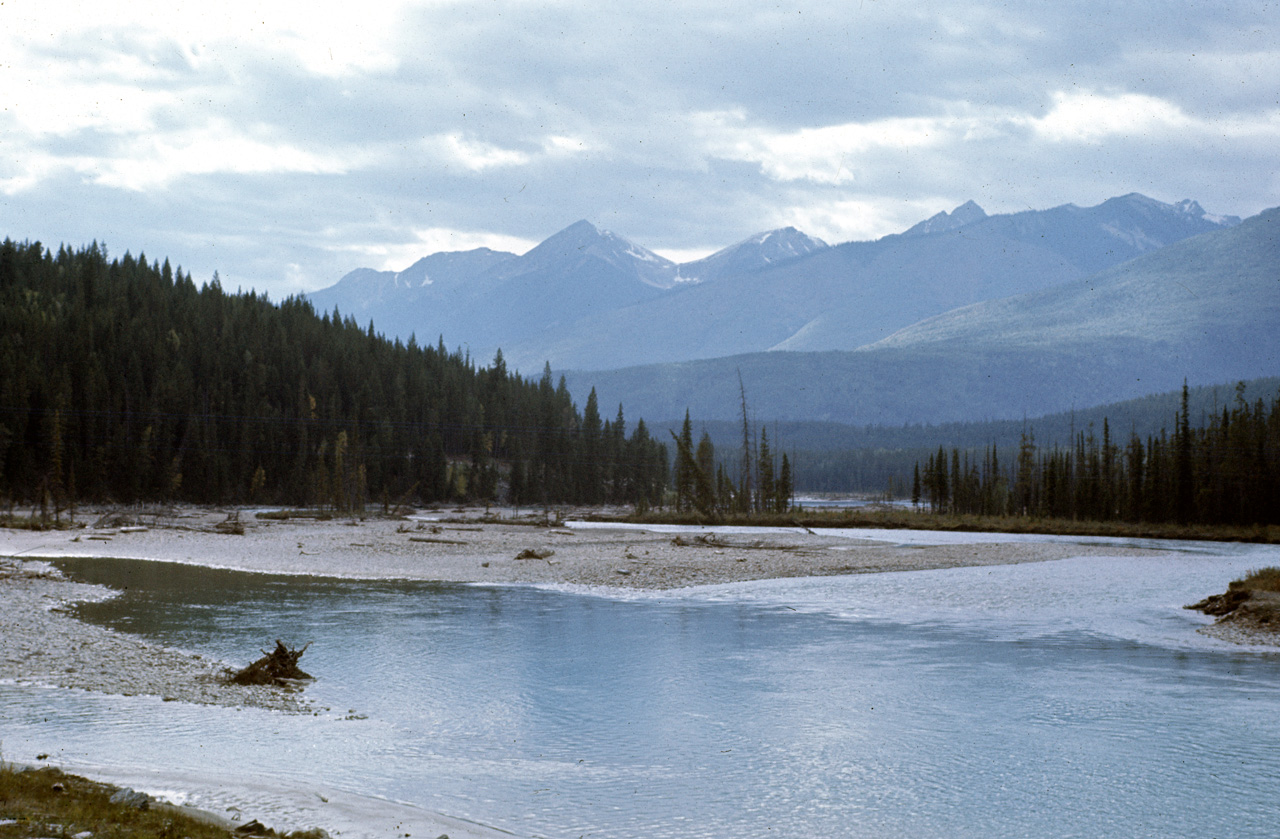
[(285, 144)]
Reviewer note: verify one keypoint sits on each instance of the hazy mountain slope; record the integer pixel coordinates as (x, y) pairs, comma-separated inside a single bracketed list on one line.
[(921, 274), (1216, 294), (576, 273), (857, 293), (896, 386), (1204, 310), (438, 282)]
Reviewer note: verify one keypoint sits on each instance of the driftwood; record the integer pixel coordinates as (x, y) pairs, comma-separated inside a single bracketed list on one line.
[(278, 667)]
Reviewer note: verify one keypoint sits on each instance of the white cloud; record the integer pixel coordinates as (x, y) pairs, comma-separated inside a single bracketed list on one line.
[(1085, 116), (147, 161), (81, 103), (559, 145), (687, 128), (477, 155), (831, 154), (429, 240), (856, 219), (325, 37), (216, 148), (682, 255)]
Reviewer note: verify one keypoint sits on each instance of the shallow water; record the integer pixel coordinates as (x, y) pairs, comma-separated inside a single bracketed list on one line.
[(1069, 698)]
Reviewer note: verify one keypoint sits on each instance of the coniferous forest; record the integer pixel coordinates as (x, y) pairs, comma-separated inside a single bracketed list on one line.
[(1226, 472), (121, 380)]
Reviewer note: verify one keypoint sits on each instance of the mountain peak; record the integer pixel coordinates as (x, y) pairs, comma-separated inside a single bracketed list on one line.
[(752, 254), (1188, 210), (583, 242), (1192, 208), (966, 213)]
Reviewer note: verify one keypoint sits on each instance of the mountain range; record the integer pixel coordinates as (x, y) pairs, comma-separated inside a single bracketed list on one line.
[(962, 316), (1205, 310), (589, 299)]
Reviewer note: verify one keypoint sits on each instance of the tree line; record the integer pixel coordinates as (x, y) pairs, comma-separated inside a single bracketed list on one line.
[(121, 380), (1227, 471), (704, 483)]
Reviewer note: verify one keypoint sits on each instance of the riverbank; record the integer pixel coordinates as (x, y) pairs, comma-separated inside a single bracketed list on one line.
[(1248, 612), (471, 546), (41, 642), (45, 801)]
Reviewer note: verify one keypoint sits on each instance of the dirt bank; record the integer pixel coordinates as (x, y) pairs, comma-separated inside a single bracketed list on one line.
[(1248, 612)]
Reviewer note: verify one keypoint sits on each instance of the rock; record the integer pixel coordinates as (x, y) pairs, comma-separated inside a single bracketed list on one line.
[(535, 553), (254, 828), (1222, 604), (131, 798)]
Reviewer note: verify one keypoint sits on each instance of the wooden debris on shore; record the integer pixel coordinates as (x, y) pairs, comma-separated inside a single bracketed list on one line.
[(231, 526), (535, 553), (436, 541), (710, 539), (278, 667)]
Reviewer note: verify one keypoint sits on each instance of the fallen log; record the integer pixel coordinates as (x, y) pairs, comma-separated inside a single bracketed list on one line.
[(278, 667)]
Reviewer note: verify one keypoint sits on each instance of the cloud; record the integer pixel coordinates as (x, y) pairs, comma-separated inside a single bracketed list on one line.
[(1088, 117), (400, 255), (830, 154), (477, 156), (278, 143), (860, 219)]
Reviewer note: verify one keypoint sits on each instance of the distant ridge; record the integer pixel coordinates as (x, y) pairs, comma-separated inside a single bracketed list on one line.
[(1204, 309), (588, 298)]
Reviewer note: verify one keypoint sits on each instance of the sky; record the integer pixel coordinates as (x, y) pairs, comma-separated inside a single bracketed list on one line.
[(284, 144)]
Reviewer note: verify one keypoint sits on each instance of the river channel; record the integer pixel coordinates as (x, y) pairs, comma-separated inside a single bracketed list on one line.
[(1064, 698)]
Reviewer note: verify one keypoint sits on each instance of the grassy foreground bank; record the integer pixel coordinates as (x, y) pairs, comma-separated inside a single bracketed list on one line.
[(912, 520), (49, 802)]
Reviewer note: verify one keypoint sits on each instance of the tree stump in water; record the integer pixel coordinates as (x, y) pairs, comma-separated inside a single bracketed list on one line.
[(278, 667)]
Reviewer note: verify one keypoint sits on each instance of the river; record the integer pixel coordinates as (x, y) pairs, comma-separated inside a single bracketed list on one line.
[(1065, 698)]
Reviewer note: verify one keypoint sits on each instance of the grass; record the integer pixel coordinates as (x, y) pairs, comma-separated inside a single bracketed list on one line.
[(1264, 579), (47, 802), (912, 520)]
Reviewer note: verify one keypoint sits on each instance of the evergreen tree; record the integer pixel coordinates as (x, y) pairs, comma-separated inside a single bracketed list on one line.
[(704, 476), (764, 470), (686, 467), (785, 489)]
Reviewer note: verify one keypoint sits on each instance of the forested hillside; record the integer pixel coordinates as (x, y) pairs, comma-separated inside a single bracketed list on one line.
[(121, 380)]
